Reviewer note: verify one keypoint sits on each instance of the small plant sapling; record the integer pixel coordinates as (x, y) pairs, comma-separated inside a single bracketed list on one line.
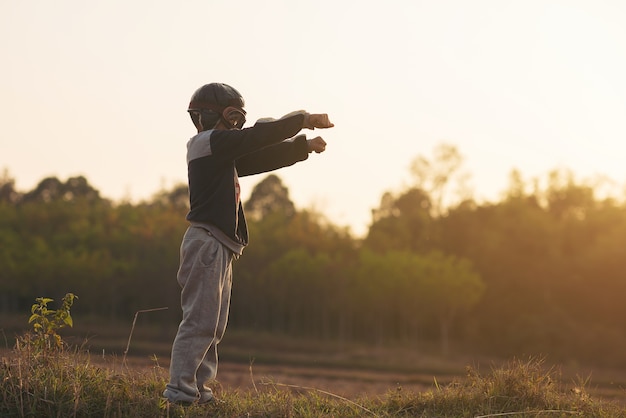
[(46, 322)]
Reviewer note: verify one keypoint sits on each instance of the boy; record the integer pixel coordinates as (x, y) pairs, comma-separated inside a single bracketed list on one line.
[(217, 156)]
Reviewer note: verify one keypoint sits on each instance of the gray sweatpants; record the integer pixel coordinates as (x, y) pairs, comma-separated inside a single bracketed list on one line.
[(205, 276)]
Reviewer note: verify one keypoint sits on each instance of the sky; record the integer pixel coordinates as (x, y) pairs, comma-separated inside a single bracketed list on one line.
[(100, 89)]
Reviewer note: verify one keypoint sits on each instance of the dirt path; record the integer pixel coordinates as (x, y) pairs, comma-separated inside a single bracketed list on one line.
[(346, 383)]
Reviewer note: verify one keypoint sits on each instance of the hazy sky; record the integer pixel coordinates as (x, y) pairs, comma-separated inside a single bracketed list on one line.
[(100, 89)]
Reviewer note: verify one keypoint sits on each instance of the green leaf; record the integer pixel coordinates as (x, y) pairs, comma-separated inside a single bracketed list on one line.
[(33, 317)]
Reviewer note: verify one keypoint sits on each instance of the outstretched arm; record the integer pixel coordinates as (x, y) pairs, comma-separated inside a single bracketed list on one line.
[(287, 152), (276, 156)]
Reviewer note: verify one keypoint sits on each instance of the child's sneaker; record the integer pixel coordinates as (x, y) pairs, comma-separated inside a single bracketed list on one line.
[(206, 397)]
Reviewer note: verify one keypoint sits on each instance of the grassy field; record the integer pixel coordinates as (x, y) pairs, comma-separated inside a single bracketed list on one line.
[(266, 376), (71, 384)]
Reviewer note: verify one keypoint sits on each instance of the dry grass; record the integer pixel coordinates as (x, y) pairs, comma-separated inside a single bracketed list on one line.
[(71, 384)]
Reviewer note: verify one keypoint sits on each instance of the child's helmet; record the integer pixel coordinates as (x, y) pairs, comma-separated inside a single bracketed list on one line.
[(209, 101), (216, 97)]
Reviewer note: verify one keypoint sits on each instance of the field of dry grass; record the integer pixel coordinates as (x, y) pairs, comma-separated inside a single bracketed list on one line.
[(251, 362), (355, 371)]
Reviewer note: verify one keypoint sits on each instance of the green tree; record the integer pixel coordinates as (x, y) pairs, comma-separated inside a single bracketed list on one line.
[(281, 233), (176, 198), (403, 222), (8, 194), (435, 176), (400, 292), (269, 196), (450, 287), (51, 189)]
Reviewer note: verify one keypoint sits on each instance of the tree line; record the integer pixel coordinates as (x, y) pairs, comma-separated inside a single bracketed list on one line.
[(542, 270)]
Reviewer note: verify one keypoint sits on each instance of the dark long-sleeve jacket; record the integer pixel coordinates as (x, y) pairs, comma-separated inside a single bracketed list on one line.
[(216, 158)]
